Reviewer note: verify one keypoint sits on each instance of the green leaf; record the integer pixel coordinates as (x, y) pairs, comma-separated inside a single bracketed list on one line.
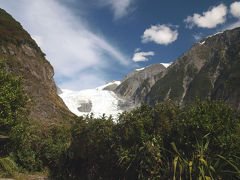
[(175, 166)]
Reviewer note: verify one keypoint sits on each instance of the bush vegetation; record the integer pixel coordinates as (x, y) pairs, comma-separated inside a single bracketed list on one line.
[(30, 147), (198, 141)]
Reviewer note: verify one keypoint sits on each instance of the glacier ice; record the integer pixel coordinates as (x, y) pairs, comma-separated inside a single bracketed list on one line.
[(102, 101)]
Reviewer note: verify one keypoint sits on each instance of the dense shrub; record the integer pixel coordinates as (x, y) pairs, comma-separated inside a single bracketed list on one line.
[(32, 146), (162, 142)]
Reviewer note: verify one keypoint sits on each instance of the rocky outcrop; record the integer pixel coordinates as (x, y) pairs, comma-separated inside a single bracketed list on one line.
[(24, 58), (209, 69), (85, 106), (136, 85)]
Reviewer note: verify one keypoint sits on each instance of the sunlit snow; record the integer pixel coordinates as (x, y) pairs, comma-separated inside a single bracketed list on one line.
[(201, 43), (166, 64), (140, 69), (109, 84), (102, 101)]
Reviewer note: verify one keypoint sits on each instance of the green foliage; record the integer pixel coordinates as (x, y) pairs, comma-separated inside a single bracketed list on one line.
[(31, 148), (12, 100), (13, 115), (8, 167), (161, 142), (13, 119)]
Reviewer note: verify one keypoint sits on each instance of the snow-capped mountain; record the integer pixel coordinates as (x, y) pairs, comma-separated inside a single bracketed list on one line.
[(166, 65), (109, 98), (98, 101)]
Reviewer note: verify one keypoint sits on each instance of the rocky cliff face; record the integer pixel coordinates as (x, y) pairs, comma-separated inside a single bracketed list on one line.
[(24, 58), (209, 69), (136, 85)]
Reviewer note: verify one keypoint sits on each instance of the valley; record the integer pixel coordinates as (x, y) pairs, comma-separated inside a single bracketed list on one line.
[(178, 120)]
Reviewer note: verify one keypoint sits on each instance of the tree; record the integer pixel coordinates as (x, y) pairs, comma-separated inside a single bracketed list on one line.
[(12, 100)]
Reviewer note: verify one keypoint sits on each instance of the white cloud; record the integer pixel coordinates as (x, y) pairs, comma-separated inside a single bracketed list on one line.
[(69, 43), (209, 19), (160, 34), (88, 81), (235, 9), (120, 8), (141, 56)]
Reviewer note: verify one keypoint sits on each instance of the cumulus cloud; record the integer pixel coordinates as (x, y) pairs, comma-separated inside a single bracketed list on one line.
[(160, 34), (120, 8), (70, 44), (209, 19), (141, 56), (235, 9)]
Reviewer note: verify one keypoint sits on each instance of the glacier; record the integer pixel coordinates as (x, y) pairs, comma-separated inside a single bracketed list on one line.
[(98, 100)]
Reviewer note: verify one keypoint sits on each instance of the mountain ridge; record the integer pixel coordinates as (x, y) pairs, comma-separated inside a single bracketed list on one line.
[(202, 72), (24, 58), (136, 84)]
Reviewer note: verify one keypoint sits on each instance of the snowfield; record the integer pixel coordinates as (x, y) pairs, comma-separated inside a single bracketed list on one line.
[(102, 101), (166, 64)]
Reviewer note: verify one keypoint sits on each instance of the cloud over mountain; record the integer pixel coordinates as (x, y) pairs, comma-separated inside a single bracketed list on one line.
[(141, 56), (160, 34), (209, 19)]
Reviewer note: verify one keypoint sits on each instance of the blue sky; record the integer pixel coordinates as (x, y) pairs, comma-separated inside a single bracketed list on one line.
[(91, 42)]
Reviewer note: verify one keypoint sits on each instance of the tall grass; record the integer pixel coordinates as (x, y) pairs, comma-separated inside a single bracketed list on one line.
[(196, 167), (8, 168), (203, 168)]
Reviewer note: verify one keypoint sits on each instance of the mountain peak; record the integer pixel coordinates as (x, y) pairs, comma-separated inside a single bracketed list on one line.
[(209, 69)]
